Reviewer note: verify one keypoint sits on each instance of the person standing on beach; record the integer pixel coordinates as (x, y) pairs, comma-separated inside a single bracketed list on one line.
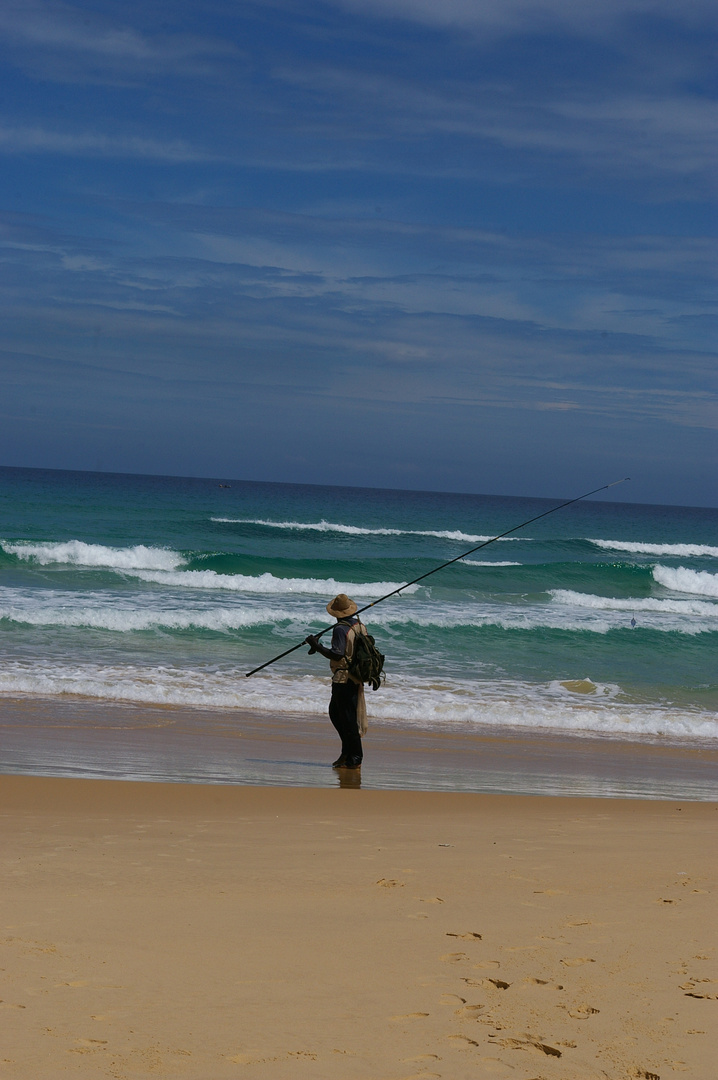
[(347, 710)]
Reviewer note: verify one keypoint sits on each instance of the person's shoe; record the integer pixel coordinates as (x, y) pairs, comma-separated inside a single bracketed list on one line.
[(352, 763), (340, 762)]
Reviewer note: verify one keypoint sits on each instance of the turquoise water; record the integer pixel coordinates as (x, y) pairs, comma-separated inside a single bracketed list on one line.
[(168, 590)]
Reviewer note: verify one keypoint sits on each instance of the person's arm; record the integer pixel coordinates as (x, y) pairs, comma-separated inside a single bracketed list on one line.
[(315, 645), (338, 648)]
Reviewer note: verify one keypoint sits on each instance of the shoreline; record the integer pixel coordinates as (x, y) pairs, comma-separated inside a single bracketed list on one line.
[(92, 739), (205, 930)]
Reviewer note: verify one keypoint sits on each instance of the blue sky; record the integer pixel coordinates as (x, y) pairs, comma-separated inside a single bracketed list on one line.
[(464, 246)]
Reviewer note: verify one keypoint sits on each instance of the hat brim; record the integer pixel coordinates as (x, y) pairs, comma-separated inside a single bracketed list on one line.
[(342, 613)]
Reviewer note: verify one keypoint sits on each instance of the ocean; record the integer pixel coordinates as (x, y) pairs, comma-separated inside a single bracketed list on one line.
[(600, 620)]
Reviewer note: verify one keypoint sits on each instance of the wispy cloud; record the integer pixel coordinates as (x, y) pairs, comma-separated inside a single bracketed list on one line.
[(466, 337), (489, 216), (622, 132), (499, 17), (37, 140), (60, 26)]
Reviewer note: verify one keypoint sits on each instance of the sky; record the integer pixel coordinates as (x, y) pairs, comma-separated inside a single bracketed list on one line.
[(466, 245)]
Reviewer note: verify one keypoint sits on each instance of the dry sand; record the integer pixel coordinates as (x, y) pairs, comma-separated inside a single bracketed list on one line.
[(210, 932)]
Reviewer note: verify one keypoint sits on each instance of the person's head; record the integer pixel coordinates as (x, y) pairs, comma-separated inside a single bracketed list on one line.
[(341, 607)]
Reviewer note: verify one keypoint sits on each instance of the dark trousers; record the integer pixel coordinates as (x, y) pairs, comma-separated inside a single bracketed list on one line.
[(343, 714)]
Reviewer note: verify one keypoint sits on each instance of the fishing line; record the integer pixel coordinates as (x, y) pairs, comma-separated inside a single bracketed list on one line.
[(457, 558)]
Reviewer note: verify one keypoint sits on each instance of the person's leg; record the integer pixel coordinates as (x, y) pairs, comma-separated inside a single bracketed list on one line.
[(336, 716), (343, 715)]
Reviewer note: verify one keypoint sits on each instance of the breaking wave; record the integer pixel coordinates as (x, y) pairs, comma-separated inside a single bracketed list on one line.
[(644, 603), (680, 579), (424, 703), (97, 612), (636, 548), (268, 584), (487, 562), (356, 530), (568, 611), (78, 553)]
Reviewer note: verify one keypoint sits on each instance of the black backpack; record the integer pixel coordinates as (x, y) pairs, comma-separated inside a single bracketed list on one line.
[(367, 663)]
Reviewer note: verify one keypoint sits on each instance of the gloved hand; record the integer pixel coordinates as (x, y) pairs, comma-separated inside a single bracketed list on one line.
[(312, 642)]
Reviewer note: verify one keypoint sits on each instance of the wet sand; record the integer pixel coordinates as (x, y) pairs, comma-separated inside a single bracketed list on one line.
[(101, 740), (211, 931)]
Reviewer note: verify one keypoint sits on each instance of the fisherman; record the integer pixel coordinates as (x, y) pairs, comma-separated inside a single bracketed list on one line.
[(347, 710)]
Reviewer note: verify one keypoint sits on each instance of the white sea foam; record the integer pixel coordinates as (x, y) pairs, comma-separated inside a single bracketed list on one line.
[(356, 530), (78, 553), (423, 703), (680, 550), (487, 562), (172, 611), (680, 579), (688, 608), (125, 614), (268, 584)]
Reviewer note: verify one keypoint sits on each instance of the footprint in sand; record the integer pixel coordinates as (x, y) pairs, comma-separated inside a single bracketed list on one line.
[(542, 982), (497, 1066), (247, 1060), (453, 957), (485, 965), (464, 1039), (470, 936), (498, 983), (390, 883), (452, 999), (469, 1012), (582, 1012), (421, 1057), (429, 899), (527, 1044), (576, 961)]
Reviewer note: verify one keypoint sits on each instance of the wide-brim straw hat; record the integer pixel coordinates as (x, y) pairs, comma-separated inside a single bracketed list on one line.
[(341, 606)]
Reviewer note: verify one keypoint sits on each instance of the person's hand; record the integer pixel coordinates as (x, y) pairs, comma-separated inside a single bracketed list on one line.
[(312, 642)]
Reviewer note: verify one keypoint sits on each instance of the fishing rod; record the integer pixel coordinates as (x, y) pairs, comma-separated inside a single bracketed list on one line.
[(443, 566)]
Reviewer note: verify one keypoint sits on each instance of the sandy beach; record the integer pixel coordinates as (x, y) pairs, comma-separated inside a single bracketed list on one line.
[(211, 931)]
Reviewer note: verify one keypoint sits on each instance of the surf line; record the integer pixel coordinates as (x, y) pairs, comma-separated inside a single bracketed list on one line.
[(457, 558)]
